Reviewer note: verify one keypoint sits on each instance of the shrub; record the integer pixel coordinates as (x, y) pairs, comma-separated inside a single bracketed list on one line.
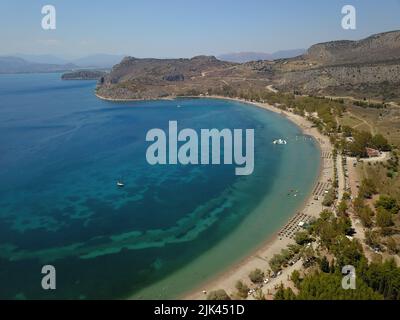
[(383, 218), (295, 277), (302, 238), (367, 188), (242, 288), (218, 295), (329, 198), (388, 203), (256, 276)]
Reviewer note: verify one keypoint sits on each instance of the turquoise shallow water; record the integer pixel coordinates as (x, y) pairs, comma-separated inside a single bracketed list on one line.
[(171, 228)]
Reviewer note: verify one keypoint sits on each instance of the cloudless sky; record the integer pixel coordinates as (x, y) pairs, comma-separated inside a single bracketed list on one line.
[(185, 28)]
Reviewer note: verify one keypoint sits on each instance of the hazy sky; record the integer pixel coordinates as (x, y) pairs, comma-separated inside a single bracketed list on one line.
[(184, 28)]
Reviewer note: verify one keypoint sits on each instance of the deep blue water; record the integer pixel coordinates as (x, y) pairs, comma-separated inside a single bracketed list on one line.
[(62, 151)]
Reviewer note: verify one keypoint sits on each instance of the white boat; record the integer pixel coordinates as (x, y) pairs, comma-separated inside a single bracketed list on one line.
[(280, 141), (120, 184)]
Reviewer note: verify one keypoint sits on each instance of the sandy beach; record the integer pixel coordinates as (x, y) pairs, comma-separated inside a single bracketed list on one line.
[(311, 208), (273, 245)]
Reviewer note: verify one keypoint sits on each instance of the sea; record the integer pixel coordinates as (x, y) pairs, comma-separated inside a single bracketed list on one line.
[(169, 229)]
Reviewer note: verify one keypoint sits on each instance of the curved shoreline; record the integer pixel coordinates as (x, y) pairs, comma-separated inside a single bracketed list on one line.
[(273, 243), (130, 100)]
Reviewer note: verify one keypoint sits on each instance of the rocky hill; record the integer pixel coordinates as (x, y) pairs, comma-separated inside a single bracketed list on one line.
[(243, 57), (376, 48), (83, 75), (366, 68), (156, 78), (163, 69)]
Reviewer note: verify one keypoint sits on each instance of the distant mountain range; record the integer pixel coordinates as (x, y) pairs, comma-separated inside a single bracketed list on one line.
[(243, 57), (98, 61), (19, 65), (92, 61), (41, 58), (367, 68), (29, 63)]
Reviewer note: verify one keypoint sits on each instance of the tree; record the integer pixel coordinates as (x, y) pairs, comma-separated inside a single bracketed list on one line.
[(323, 286), (276, 262), (388, 203), (392, 245), (342, 208), (383, 218), (326, 228), (347, 131), (361, 141), (294, 248), (259, 295), (365, 214), (284, 294), (367, 188), (358, 204), (295, 277), (347, 252), (372, 239), (308, 256), (218, 295), (242, 288), (256, 276), (384, 278), (324, 265), (329, 198), (302, 238), (346, 196), (380, 142), (344, 225)]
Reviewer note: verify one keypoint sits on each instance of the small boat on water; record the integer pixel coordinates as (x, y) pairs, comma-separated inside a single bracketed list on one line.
[(120, 184), (280, 141)]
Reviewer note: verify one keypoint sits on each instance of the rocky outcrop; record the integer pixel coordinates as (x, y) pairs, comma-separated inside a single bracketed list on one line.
[(136, 78), (83, 75), (317, 79), (358, 68), (354, 67), (376, 48), (174, 77)]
